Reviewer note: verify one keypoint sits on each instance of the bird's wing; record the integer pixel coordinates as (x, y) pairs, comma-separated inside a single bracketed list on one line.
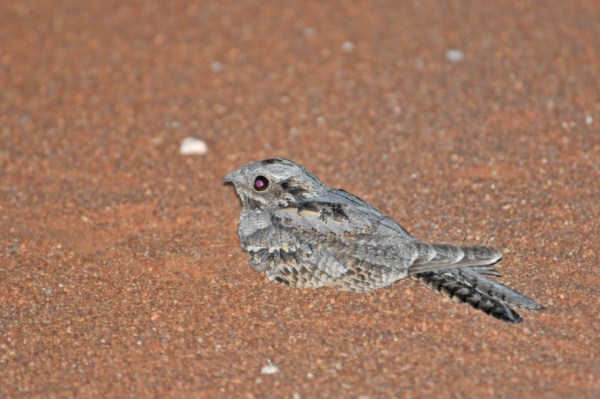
[(342, 240), (363, 210)]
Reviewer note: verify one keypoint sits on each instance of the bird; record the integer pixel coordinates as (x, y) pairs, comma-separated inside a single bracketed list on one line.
[(300, 232)]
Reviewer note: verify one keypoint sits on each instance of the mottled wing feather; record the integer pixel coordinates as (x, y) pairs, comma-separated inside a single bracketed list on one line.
[(329, 241), (361, 209)]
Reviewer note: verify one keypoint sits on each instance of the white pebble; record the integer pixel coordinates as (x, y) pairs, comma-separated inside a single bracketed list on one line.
[(309, 32), (269, 369), (455, 55), (347, 47), (589, 120), (193, 146), (216, 66)]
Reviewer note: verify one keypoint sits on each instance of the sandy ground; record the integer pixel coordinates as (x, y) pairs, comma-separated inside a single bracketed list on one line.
[(121, 273)]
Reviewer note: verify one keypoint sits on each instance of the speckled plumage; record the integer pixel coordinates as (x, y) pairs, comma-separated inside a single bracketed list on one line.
[(302, 233)]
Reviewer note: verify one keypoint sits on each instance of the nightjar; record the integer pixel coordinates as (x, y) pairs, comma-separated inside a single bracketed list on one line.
[(302, 233)]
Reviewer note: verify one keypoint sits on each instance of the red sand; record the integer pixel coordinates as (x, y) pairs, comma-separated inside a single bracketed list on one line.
[(120, 268)]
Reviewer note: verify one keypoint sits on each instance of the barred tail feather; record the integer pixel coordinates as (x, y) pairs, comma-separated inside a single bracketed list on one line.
[(495, 289), (456, 287)]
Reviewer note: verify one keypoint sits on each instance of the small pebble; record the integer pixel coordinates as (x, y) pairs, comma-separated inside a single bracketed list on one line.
[(309, 32), (347, 47), (269, 369), (589, 120), (193, 146), (216, 66), (455, 55)]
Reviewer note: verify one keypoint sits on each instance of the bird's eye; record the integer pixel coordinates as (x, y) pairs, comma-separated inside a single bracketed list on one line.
[(261, 183)]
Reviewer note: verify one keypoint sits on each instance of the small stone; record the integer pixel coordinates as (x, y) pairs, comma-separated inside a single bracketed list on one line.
[(347, 47), (455, 55), (309, 32), (216, 67), (589, 120), (269, 369), (193, 146)]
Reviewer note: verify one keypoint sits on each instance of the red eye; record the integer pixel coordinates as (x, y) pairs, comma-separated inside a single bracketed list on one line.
[(261, 183)]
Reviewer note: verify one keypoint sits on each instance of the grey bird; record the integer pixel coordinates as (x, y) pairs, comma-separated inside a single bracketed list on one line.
[(300, 232)]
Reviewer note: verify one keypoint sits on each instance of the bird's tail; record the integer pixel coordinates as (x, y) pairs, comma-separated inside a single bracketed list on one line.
[(470, 286), (435, 257)]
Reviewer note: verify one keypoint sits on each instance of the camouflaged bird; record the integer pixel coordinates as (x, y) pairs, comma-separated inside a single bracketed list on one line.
[(302, 233)]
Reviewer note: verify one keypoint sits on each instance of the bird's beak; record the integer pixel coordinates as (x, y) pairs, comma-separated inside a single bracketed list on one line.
[(228, 179)]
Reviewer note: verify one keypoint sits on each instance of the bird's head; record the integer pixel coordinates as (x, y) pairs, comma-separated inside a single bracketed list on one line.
[(274, 182)]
